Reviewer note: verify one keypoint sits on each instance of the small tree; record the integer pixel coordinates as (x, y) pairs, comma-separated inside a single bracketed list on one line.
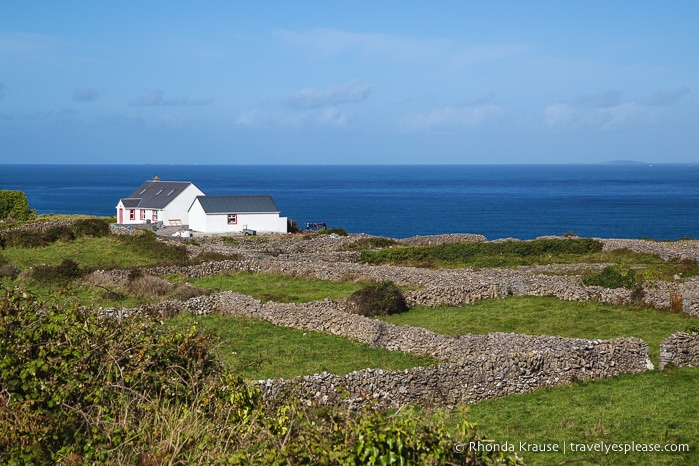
[(14, 206)]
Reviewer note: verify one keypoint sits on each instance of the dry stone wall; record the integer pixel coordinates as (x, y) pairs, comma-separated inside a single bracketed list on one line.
[(455, 287), (490, 375), (481, 366), (680, 349), (476, 367)]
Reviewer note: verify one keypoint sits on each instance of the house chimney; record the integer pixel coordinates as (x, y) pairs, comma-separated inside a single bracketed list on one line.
[(156, 178)]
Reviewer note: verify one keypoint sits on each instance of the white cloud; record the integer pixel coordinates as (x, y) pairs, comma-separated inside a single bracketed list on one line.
[(154, 98), (354, 91), (450, 119), (319, 118), (561, 116)]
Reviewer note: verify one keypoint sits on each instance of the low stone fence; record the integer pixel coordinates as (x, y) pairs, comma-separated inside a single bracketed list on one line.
[(680, 349), (457, 287), (490, 375), (482, 366)]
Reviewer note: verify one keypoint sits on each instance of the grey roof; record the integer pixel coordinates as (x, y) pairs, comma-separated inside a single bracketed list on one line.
[(130, 203), (238, 204), (155, 194)]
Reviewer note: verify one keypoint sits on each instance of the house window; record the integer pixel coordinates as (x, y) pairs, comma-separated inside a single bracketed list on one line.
[(143, 214), (155, 215), (232, 219), (132, 214)]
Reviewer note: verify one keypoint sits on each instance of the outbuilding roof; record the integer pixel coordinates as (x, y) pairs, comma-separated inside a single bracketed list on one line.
[(155, 194), (237, 204)]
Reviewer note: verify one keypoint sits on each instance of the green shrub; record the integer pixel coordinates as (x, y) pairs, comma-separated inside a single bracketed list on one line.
[(612, 277), (24, 239), (147, 244), (64, 272), (58, 233), (378, 299), (15, 206), (330, 231), (94, 227), (480, 254), (84, 388), (66, 372)]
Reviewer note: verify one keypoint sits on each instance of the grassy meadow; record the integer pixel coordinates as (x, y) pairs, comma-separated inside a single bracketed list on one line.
[(653, 407)]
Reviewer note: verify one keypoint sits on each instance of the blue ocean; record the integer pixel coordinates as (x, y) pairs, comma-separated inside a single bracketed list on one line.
[(498, 201)]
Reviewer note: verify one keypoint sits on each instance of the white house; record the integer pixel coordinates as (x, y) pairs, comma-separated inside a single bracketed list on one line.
[(233, 214), (158, 201)]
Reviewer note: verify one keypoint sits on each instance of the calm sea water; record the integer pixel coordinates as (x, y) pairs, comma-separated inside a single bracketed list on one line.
[(521, 201)]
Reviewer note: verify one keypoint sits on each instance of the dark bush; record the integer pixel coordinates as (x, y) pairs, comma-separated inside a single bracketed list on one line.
[(58, 233), (62, 273), (94, 227), (24, 239), (611, 277), (9, 271), (378, 299)]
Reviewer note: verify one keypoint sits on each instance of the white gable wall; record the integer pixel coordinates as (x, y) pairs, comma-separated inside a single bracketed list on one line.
[(262, 222), (124, 215), (178, 207)]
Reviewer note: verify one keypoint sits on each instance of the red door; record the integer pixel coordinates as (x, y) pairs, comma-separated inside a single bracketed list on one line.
[(121, 216)]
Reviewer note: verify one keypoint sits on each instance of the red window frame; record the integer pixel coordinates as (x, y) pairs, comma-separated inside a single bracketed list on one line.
[(232, 219), (132, 214)]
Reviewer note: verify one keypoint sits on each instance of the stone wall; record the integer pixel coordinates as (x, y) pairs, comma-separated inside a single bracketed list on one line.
[(680, 349), (480, 366), (455, 287), (490, 375)]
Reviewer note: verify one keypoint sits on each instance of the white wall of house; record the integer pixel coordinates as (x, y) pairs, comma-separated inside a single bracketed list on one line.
[(131, 216), (178, 208), (262, 222)]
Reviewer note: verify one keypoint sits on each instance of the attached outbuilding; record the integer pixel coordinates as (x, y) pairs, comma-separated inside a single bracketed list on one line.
[(158, 201), (236, 214)]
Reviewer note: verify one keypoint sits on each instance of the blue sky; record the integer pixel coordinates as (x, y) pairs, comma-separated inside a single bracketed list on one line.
[(348, 82)]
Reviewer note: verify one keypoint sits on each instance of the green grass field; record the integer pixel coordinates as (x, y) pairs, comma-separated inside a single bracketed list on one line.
[(257, 349), (549, 316), (649, 408), (653, 407), (275, 287)]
